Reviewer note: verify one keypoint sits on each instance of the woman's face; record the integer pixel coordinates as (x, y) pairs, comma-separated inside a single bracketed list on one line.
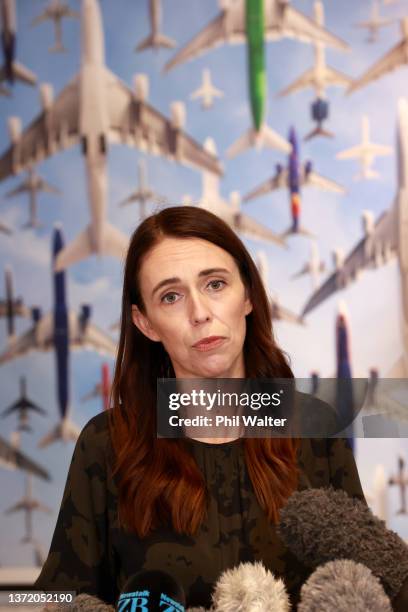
[(196, 305)]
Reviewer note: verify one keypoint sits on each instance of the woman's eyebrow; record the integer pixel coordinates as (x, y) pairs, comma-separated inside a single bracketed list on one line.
[(176, 279)]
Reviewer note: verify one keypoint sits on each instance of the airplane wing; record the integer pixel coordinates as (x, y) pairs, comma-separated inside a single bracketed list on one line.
[(91, 338), (12, 458), (137, 123), (228, 27), (280, 313), (365, 255), (276, 182), (306, 79), (351, 153), (335, 77), (389, 62), (281, 19), (53, 130), (251, 228), (376, 149), (40, 18), (40, 337), (317, 180), (20, 73), (26, 403)]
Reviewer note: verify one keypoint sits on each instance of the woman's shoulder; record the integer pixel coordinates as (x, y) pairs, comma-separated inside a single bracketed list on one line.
[(94, 439)]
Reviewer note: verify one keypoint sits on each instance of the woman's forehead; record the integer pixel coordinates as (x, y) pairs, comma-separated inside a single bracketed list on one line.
[(186, 255)]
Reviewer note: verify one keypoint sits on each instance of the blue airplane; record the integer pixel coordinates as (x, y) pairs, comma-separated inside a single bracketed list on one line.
[(293, 177), (60, 330)]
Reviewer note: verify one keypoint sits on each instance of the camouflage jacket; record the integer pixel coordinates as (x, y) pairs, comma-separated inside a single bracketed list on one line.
[(90, 554)]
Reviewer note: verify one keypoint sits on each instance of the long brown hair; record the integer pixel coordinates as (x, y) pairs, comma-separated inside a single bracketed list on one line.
[(159, 481)]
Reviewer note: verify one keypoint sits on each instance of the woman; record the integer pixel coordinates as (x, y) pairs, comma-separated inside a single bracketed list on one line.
[(193, 307)]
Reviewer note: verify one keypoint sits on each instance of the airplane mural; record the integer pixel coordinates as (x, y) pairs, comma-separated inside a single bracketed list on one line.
[(365, 152), (293, 177), (28, 504), (12, 70), (374, 24), (22, 406), (206, 92), (143, 194), (253, 22), (155, 39), (56, 11), (10, 306), (278, 312), (60, 330), (319, 78), (382, 241), (33, 184), (313, 267), (102, 388), (396, 57), (95, 108), (230, 212)]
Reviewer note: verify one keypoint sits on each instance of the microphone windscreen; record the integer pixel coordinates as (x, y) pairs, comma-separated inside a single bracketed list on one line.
[(250, 587), (320, 525), (151, 590), (342, 586)]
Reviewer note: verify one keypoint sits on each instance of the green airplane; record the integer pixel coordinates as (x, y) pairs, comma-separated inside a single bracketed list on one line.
[(253, 21)]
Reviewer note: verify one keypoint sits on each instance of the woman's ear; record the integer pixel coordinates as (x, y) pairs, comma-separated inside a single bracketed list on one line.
[(143, 324), (248, 304)]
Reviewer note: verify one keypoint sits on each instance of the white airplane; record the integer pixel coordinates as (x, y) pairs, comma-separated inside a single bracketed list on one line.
[(12, 70), (397, 56), (314, 267), (230, 212), (320, 76), (96, 107), (278, 312), (32, 185), (28, 504), (155, 39), (206, 91), (56, 11), (366, 152), (382, 240), (375, 22), (143, 193)]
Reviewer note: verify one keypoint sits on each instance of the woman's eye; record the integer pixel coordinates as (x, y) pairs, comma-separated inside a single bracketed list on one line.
[(169, 298), (216, 284)]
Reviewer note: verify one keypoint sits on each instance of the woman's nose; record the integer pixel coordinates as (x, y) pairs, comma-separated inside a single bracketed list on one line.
[(200, 311)]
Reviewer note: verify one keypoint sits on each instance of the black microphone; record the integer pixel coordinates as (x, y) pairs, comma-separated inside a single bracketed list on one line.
[(151, 591), (320, 525), (342, 586)]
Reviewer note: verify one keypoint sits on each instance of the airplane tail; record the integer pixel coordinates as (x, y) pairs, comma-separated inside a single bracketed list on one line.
[(291, 231), (114, 243), (156, 40), (318, 131), (266, 137), (367, 174), (65, 430)]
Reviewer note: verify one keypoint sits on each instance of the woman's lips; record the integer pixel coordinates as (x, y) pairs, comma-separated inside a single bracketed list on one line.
[(207, 344)]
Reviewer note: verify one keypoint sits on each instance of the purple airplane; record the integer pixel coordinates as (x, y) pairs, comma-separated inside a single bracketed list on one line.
[(293, 177)]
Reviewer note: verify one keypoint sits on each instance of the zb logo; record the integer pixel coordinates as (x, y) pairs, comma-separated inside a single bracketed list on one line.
[(138, 601)]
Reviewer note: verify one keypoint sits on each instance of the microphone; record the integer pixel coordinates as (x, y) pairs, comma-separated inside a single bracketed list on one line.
[(250, 587), (151, 590), (320, 525), (343, 585)]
